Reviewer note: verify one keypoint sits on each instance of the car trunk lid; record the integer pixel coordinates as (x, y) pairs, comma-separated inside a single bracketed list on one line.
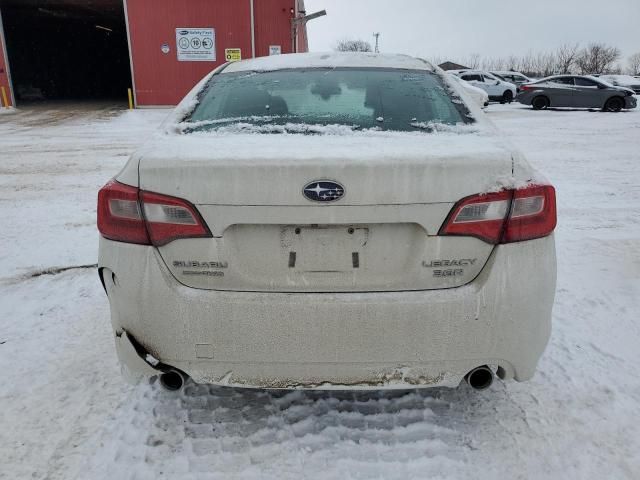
[(380, 236)]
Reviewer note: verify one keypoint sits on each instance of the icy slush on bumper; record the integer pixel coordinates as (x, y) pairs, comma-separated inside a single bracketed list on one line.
[(345, 340)]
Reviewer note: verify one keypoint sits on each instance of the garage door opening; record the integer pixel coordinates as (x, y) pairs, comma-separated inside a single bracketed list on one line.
[(67, 49)]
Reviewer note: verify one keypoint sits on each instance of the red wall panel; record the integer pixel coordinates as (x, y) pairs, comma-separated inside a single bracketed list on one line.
[(160, 79), (273, 25), (4, 68)]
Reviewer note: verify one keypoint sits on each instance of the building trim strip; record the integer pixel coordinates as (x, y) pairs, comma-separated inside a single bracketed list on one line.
[(133, 77), (4, 52), (253, 29)]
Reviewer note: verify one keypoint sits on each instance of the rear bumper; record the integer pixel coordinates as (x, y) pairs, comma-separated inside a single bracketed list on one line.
[(352, 340), (524, 97)]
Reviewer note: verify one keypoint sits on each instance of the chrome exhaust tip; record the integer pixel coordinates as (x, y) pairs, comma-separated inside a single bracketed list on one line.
[(480, 378), (172, 380)]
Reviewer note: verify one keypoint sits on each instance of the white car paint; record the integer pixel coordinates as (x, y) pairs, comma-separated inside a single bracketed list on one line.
[(371, 291), (479, 95), (516, 78), (494, 87)]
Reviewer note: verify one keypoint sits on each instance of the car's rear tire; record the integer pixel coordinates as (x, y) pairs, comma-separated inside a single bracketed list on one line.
[(614, 104), (540, 103), (507, 97)]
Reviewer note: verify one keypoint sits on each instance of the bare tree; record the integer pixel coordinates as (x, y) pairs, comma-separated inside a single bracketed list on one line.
[(634, 64), (616, 69), (566, 57), (597, 58), (437, 60), (473, 61), (493, 63), (513, 63), (527, 65), (544, 64), (353, 46)]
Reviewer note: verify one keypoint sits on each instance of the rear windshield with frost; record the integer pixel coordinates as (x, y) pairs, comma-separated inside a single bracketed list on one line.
[(385, 99)]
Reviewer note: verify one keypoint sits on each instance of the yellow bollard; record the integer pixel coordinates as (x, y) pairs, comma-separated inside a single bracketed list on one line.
[(5, 100), (130, 99)]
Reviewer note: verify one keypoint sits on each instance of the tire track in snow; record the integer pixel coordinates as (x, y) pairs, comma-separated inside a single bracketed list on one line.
[(49, 271), (222, 432)]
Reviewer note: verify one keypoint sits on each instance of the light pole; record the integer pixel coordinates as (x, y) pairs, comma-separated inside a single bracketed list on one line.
[(296, 22)]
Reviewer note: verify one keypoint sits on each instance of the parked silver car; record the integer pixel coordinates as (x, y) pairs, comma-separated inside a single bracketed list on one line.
[(577, 92)]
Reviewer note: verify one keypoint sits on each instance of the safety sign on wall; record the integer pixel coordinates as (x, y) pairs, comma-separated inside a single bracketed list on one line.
[(196, 44), (233, 54), (275, 49)]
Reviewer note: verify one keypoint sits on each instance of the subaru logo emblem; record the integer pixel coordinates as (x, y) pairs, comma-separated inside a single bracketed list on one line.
[(323, 191)]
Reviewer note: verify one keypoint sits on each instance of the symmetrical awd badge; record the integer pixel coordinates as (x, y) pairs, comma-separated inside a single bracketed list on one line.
[(323, 191)]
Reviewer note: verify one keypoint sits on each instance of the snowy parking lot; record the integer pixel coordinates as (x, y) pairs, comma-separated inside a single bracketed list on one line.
[(65, 412)]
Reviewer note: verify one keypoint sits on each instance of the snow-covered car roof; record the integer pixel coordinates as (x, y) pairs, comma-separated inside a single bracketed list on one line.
[(621, 79), (471, 72), (617, 76), (329, 60), (566, 75), (508, 72)]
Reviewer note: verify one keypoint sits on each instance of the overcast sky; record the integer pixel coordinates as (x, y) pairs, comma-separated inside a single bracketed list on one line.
[(458, 28)]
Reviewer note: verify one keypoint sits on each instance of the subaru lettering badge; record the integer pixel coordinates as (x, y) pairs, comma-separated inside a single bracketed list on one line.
[(323, 191)]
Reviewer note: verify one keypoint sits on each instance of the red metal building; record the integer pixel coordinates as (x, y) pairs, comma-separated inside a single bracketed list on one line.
[(171, 44), (242, 29)]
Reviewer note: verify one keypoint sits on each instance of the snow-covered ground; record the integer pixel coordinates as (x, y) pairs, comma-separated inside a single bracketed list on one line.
[(65, 413)]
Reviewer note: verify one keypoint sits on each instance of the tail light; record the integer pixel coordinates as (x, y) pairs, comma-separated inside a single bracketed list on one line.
[(526, 88), (119, 214), (127, 214), (169, 218), (506, 216)]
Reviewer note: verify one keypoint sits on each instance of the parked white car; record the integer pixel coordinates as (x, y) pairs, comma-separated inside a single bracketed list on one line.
[(498, 90), (515, 78), (319, 221), (479, 96)]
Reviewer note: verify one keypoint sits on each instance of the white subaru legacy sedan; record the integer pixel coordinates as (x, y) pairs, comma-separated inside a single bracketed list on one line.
[(319, 221)]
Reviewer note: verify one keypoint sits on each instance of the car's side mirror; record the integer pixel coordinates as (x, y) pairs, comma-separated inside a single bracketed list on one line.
[(497, 82)]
